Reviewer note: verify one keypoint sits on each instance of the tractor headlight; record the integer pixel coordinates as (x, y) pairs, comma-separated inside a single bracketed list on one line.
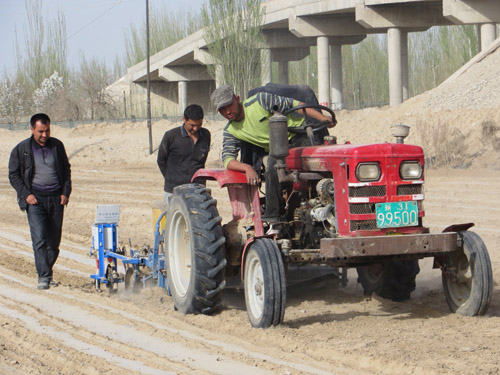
[(410, 170), (367, 172)]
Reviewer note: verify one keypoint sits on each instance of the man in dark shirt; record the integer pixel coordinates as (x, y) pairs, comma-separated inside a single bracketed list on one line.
[(184, 150), (40, 173)]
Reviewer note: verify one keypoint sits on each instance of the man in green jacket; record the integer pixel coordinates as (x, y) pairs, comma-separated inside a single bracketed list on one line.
[(248, 122)]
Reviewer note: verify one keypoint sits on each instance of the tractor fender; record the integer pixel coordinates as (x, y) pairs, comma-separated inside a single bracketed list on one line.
[(458, 227), (245, 201), (451, 228), (223, 176)]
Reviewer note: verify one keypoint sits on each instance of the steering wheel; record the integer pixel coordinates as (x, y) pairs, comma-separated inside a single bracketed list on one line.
[(310, 127)]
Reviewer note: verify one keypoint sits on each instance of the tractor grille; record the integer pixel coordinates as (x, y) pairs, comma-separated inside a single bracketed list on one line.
[(367, 191), (363, 225), (362, 208), (369, 208), (409, 189)]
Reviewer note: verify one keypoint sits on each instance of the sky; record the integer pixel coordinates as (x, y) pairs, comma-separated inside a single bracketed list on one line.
[(96, 27)]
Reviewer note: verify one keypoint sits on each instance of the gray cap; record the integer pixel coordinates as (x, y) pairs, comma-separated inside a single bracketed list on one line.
[(222, 96)]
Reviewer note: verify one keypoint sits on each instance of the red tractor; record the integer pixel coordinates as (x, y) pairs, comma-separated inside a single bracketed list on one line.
[(346, 206)]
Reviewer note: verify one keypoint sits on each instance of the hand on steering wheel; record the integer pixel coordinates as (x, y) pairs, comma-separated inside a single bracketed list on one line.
[(322, 124)]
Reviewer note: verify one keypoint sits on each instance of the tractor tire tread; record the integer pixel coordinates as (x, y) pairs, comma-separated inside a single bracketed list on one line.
[(210, 224), (274, 284), (206, 284), (207, 204)]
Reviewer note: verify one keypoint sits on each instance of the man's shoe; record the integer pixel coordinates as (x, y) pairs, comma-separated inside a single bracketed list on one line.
[(53, 283), (44, 284)]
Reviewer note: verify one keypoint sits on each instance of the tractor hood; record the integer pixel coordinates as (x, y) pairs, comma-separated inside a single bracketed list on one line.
[(320, 158)]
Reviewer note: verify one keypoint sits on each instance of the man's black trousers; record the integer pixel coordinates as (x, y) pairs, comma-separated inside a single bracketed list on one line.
[(45, 220)]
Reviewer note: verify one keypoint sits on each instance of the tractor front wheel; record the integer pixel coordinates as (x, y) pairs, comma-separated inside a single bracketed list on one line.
[(194, 246), (467, 277), (265, 284)]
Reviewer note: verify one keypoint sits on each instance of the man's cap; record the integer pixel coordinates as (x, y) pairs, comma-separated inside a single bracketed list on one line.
[(222, 96)]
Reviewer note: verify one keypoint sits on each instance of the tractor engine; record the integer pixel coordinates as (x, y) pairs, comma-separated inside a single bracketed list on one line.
[(315, 219)]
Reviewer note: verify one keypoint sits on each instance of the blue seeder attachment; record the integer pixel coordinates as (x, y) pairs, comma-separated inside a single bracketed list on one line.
[(139, 265)]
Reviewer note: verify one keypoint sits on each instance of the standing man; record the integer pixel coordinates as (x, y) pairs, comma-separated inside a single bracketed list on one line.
[(249, 123), (40, 173), (183, 150)]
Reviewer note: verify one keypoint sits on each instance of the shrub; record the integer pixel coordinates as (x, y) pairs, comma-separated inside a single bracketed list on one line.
[(444, 146)]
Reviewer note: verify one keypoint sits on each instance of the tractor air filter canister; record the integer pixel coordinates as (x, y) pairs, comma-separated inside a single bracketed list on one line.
[(278, 136)]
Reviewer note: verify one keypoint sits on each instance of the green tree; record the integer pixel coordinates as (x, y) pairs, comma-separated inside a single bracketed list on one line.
[(234, 39), (305, 71), (365, 73), (45, 47), (437, 53)]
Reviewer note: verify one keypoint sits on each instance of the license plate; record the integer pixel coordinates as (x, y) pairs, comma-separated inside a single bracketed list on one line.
[(396, 214)]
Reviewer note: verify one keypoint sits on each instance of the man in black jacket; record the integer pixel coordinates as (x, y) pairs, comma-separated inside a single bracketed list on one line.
[(40, 173), (183, 150)]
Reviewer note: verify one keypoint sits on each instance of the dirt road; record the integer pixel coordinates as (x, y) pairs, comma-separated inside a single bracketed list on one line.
[(72, 329)]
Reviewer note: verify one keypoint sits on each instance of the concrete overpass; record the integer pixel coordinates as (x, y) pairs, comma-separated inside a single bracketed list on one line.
[(179, 76)]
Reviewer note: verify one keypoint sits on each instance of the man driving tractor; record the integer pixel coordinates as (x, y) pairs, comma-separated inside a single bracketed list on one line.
[(249, 124)]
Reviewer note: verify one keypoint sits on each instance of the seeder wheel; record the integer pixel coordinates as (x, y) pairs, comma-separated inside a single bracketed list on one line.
[(110, 285), (132, 280)]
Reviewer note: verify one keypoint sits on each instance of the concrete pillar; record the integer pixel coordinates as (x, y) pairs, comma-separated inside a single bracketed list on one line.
[(266, 67), (395, 76), (323, 70), (337, 101), (283, 72), (182, 94), (488, 34), (404, 65)]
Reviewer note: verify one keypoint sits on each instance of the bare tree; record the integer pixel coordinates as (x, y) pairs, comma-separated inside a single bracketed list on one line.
[(166, 28), (91, 82), (234, 39)]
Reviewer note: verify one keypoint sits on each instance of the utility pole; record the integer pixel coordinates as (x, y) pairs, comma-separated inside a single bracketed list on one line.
[(148, 95)]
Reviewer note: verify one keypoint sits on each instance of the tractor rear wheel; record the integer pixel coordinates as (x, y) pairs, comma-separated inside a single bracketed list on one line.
[(393, 280), (468, 290), (194, 246), (265, 284)]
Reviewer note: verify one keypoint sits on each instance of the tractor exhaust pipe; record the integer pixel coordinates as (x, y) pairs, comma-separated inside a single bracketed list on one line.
[(278, 136), (278, 146)]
